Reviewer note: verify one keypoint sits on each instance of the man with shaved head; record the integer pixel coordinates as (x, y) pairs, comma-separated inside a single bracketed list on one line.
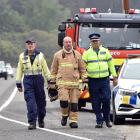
[(66, 70)]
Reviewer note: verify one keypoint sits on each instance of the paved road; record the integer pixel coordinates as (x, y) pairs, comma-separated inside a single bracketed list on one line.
[(13, 122)]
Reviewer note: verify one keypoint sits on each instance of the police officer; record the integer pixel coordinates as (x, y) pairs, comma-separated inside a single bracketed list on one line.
[(66, 70), (99, 65), (33, 66)]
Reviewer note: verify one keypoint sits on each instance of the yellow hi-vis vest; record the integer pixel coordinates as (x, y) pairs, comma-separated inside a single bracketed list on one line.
[(99, 65), (25, 67)]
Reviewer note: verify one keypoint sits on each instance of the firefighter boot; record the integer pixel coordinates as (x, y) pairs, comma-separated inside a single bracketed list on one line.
[(73, 125), (65, 111), (64, 120), (73, 115)]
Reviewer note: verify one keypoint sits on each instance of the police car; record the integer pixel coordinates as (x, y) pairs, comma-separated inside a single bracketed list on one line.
[(126, 95)]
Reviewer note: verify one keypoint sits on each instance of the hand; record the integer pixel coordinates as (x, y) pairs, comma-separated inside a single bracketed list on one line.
[(20, 89), (115, 81), (52, 84), (85, 80)]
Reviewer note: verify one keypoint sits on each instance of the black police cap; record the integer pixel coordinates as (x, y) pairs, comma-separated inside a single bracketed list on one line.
[(94, 36)]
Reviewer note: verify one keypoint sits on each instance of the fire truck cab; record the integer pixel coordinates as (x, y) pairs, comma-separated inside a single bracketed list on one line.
[(120, 33)]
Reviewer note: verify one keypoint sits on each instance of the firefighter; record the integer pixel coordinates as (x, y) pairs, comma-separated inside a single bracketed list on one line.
[(66, 70), (99, 65), (33, 66)]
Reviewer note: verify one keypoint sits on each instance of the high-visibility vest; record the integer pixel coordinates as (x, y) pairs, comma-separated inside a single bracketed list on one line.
[(99, 65), (25, 67)]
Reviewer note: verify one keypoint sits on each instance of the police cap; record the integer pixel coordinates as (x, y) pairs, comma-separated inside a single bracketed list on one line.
[(94, 36)]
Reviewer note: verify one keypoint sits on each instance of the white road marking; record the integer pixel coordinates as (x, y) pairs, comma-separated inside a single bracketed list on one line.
[(45, 129), (9, 100), (25, 124)]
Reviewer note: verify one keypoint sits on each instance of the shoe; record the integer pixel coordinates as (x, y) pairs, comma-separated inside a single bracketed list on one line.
[(108, 124), (73, 125), (31, 126), (41, 124), (64, 120), (100, 125)]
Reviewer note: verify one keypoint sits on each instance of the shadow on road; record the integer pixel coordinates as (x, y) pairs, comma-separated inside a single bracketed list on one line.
[(132, 122)]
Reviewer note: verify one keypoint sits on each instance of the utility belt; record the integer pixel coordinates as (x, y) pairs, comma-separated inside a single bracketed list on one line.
[(100, 78)]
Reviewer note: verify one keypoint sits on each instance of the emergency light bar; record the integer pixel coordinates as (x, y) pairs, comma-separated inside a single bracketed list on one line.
[(88, 10)]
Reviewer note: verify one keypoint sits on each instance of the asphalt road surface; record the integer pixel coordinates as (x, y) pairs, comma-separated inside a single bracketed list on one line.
[(13, 121)]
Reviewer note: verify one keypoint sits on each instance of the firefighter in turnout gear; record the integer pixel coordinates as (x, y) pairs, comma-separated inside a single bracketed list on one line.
[(32, 65), (99, 65), (66, 70)]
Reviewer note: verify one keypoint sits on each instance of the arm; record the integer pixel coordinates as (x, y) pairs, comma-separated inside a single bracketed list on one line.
[(111, 64), (19, 74), (112, 68), (54, 68), (82, 68), (45, 69)]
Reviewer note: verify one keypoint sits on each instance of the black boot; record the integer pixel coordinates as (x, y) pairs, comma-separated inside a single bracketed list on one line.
[(64, 120), (41, 124), (108, 124), (32, 126), (100, 125), (73, 125)]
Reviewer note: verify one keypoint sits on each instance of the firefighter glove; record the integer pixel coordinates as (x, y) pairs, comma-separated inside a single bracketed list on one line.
[(51, 84)]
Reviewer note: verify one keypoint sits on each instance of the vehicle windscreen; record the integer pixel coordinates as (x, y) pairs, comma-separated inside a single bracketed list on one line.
[(131, 71), (113, 36)]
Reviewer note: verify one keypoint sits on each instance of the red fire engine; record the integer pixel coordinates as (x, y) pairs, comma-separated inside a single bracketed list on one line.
[(120, 33)]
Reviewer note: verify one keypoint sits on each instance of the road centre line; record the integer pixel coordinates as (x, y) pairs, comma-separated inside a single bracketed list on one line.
[(9, 100)]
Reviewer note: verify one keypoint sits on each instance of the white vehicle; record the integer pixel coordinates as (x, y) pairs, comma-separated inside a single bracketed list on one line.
[(126, 96), (9, 70), (3, 71)]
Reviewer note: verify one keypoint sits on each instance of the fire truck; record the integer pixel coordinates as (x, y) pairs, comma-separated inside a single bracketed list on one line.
[(120, 33)]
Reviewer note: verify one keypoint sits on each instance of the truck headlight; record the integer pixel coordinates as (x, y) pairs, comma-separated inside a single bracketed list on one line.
[(125, 92)]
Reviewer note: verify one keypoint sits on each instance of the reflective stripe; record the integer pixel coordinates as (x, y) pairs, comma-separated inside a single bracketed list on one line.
[(52, 76), (66, 65), (67, 83), (72, 121), (125, 99), (32, 72), (102, 52), (38, 64), (95, 61), (18, 82), (109, 59), (133, 99), (97, 72), (25, 62)]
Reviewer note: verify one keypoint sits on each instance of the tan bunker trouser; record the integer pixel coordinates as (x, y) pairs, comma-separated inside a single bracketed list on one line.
[(70, 95)]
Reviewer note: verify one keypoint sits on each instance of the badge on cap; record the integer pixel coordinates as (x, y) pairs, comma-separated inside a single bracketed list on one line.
[(94, 36)]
